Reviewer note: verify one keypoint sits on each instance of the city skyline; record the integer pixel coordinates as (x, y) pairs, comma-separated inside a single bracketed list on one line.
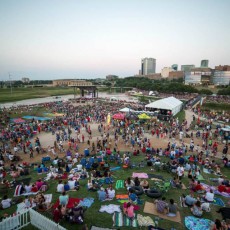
[(90, 39)]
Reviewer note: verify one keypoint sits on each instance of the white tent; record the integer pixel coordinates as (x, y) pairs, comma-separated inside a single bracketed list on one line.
[(169, 103), (126, 110)]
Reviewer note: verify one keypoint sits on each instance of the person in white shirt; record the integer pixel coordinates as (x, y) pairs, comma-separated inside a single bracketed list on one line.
[(209, 196), (60, 186), (111, 192), (71, 184), (28, 188), (6, 202), (180, 171)]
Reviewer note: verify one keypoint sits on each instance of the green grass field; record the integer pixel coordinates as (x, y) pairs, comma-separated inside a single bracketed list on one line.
[(93, 217), (29, 93)]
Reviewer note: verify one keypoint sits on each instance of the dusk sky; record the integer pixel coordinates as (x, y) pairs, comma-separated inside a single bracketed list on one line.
[(51, 39)]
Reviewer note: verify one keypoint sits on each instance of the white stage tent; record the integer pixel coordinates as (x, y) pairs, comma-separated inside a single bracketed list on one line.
[(169, 103), (126, 110)]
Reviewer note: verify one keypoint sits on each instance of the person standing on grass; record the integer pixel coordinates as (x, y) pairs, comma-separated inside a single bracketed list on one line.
[(180, 172)]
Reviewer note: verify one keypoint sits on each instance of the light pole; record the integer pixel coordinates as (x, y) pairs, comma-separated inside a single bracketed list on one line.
[(10, 83)]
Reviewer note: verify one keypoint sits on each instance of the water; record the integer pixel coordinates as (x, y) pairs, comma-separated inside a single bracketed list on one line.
[(119, 96)]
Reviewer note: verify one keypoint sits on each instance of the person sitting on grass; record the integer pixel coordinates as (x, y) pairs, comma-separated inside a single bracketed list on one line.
[(66, 186), (6, 202), (144, 184), (172, 208), (101, 194), (199, 188), (129, 183), (63, 199), (209, 196), (189, 200), (161, 205), (196, 209), (132, 196), (57, 215), (60, 186), (129, 210), (110, 192)]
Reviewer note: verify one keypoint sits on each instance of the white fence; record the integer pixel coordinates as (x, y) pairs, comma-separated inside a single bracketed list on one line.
[(26, 217)]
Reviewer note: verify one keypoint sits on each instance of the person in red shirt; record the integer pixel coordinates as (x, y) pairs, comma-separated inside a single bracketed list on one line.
[(39, 183), (198, 187), (34, 188), (222, 188)]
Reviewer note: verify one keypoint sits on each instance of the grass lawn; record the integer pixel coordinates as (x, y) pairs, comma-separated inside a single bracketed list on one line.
[(28, 93), (93, 217), (216, 106)]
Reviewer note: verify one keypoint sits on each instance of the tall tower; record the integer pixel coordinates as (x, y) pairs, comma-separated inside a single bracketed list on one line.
[(148, 66), (174, 67), (204, 63)]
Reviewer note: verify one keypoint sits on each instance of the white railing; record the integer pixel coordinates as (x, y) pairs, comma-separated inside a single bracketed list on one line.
[(42, 222), (16, 222), (26, 217)]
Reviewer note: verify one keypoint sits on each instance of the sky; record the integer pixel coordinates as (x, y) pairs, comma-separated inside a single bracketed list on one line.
[(57, 39)]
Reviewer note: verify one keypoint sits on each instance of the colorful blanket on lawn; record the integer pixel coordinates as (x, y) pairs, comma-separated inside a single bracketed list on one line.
[(215, 190), (119, 184), (140, 175), (111, 208), (193, 223), (144, 220), (87, 202), (119, 220)]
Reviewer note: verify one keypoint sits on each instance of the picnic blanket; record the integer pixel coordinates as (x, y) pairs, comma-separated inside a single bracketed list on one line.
[(155, 176), (156, 179), (151, 209), (99, 228), (144, 220), (111, 208), (119, 184), (119, 220), (122, 196), (205, 170), (87, 202), (200, 178), (18, 189), (193, 223), (70, 204), (140, 175), (115, 168)]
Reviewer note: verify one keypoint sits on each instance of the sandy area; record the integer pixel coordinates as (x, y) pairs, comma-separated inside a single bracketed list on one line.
[(47, 139)]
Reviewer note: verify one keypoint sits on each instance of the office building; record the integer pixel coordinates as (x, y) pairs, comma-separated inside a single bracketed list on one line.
[(204, 64), (198, 76), (148, 66), (175, 67), (223, 67), (187, 68), (221, 77), (165, 72)]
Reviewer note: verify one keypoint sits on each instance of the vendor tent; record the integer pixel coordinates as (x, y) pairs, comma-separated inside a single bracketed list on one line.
[(144, 116), (170, 103), (119, 116), (126, 110)]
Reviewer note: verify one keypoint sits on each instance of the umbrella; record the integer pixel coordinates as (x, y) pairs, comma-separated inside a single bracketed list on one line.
[(18, 120), (144, 116), (119, 116)]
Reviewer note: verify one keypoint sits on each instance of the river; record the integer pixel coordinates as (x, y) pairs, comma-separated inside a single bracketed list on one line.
[(119, 96)]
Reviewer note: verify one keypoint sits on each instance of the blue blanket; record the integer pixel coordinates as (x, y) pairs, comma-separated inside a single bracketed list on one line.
[(193, 223), (87, 202)]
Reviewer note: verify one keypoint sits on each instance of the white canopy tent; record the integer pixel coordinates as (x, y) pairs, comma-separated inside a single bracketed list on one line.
[(169, 103), (126, 110)]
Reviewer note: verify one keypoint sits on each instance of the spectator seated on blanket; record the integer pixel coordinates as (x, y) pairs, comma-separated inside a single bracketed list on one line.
[(6, 183), (189, 200), (209, 196), (222, 187), (60, 186), (73, 184), (218, 225), (161, 205), (176, 183), (129, 183), (57, 215), (101, 194), (39, 183), (196, 209), (187, 166), (172, 208), (63, 199), (15, 174), (205, 206), (84, 174), (199, 188), (110, 192), (28, 188), (39, 169), (129, 210), (66, 186), (132, 196), (34, 188), (39, 198), (137, 181), (76, 214), (6, 202), (218, 172), (92, 186)]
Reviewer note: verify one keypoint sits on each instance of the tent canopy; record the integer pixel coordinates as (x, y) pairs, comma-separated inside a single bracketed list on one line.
[(144, 116), (169, 103), (119, 116), (126, 110)]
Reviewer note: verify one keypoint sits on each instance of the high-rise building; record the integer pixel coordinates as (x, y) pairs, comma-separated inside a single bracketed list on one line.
[(148, 66), (187, 68), (204, 63), (175, 67)]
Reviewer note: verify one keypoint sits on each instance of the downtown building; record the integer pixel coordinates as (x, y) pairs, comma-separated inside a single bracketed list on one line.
[(148, 66)]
